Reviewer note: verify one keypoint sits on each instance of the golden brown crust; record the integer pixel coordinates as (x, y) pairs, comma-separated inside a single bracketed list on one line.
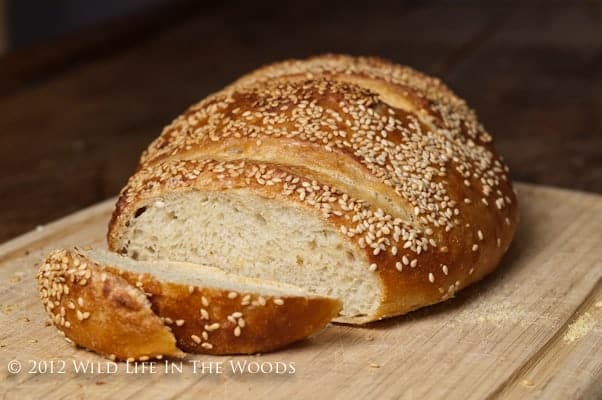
[(126, 315), (214, 321), (399, 84), (397, 141), (410, 277), (101, 311)]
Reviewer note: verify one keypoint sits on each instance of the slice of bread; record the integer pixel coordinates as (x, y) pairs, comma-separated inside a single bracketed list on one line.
[(127, 309)]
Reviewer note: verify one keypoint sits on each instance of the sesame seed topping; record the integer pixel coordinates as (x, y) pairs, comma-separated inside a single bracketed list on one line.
[(196, 339), (278, 302), (232, 295), (372, 267), (180, 322), (431, 277), (475, 247), (444, 269), (480, 234)]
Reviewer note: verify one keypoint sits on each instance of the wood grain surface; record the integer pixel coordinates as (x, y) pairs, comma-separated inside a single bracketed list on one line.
[(75, 114), (531, 330)]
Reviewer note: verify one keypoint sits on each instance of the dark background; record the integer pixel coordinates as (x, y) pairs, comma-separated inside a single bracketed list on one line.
[(83, 89)]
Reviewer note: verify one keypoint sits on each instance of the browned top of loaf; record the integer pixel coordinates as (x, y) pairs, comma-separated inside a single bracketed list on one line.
[(426, 95), (349, 128)]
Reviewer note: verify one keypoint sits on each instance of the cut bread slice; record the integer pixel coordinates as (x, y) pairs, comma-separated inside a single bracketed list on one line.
[(127, 309)]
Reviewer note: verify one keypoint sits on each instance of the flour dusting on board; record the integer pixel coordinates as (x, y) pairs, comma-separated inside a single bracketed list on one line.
[(578, 329), (502, 314)]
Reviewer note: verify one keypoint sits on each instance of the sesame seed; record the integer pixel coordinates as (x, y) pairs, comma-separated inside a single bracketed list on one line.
[(195, 339), (414, 263), (207, 345), (475, 247), (499, 242), (399, 266), (212, 327), (480, 234), (278, 302), (444, 269), (179, 322), (204, 314), (237, 331), (431, 277), (372, 267), (232, 295), (204, 301)]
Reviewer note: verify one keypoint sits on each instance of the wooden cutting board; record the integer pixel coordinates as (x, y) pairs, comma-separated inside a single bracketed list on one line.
[(532, 330)]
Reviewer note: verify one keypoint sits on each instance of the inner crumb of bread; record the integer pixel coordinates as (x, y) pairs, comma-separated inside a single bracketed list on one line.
[(246, 234), (193, 275)]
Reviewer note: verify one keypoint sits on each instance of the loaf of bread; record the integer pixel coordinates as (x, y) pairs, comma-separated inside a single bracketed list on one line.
[(134, 310), (351, 178)]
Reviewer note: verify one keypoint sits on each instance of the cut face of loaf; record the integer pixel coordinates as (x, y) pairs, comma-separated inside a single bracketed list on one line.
[(127, 309), (250, 235), (351, 177)]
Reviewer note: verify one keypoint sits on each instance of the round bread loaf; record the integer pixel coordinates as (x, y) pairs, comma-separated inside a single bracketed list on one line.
[(349, 177)]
